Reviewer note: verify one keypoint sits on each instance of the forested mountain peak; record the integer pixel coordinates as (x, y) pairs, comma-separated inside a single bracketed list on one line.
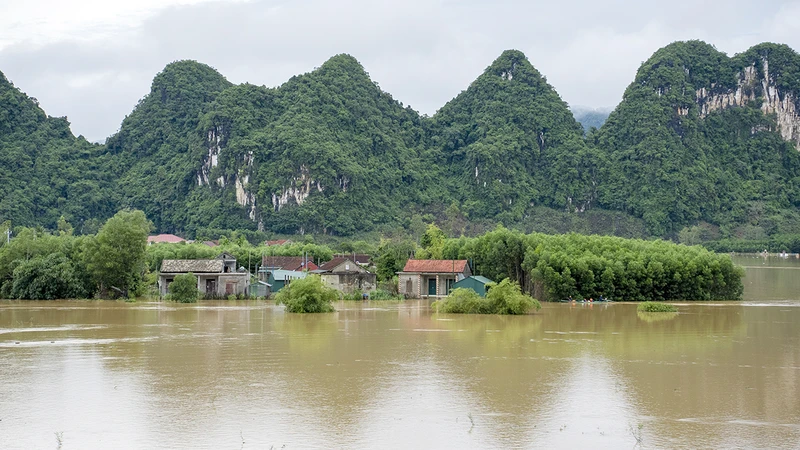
[(511, 142), (514, 65), (187, 80), (700, 136)]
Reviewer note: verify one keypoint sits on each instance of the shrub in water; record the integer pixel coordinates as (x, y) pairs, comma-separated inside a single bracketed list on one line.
[(503, 298), (184, 288), (462, 301), (307, 295), (506, 297), (656, 307)]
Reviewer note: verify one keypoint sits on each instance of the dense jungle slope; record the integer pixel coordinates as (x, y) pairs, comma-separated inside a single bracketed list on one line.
[(699, 138)]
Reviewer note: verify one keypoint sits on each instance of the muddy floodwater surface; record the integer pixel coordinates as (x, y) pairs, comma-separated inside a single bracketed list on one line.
[(233, 375)]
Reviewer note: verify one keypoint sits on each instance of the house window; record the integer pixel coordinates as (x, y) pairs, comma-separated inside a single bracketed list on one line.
[(449, 283)]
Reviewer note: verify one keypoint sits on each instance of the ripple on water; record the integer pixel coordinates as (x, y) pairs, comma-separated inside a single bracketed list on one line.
[(45, 329)]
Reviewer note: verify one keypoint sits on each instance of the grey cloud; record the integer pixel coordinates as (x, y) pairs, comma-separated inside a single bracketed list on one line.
[(422, 52)]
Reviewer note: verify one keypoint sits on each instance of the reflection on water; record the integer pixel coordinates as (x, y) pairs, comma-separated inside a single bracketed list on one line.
[(248, 375)]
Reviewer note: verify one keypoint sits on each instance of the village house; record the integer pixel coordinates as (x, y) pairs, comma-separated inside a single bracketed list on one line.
[(345, 275), (296, 263), (431, 278), (215, 277), (164, 238), (278, 279), (362, 259)]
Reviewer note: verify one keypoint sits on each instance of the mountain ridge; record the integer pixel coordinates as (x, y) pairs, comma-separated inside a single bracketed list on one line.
[(328, 151)]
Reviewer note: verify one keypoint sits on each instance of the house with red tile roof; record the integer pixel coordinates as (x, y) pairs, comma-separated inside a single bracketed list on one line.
[(431, 278), (164, 238)]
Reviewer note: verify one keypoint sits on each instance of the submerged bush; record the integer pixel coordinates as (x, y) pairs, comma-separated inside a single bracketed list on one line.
[(503, 298), (651, 317), (184, 288), (656, 307), (382, 294), (307, 295)]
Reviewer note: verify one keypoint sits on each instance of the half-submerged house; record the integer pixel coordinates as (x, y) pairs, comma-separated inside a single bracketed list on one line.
[(346, 275), (423, 278), (215, 277)]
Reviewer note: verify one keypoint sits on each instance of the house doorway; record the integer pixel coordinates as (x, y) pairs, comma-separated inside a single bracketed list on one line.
[(410, 288), (431, 286), (211, 287)]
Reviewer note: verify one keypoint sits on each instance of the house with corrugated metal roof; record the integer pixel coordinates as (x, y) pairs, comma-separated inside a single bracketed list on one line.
[(346, 275), (215, 277), (431, 278), (279, 278), (476, 282), (296, 263)]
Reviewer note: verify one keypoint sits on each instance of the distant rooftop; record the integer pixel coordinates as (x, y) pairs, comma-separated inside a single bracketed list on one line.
[(435, 265), (165, 238)]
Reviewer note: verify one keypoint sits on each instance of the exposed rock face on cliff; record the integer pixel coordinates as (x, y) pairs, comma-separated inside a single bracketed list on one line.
[(755, 82)]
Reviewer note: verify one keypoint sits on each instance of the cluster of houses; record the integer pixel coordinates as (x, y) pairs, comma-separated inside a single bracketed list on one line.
[(348, 274)]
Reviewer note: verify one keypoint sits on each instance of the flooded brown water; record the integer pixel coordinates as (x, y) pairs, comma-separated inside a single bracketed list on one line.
[(232, 375)]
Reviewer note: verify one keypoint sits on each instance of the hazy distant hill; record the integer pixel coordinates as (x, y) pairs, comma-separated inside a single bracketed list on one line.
[(590, 117)]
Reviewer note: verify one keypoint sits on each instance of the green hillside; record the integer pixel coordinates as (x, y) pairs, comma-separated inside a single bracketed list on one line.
[(45, 171), (690, 143), (700, 139)]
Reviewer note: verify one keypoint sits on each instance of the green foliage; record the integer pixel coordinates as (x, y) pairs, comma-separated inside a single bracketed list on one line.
[(47, 278), (307, 295), (462, 301), (506, 297), (432, 243), (503, 298), (116, 256), (183, 288), (578, 266), (392, 257), (656, 307)]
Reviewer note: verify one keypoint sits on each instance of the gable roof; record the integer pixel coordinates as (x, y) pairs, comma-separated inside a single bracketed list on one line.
[(482, 279), (288, 263), (335, 262), (168, 238), (360, 258), (192, 265), (278, 242), (435, 265)]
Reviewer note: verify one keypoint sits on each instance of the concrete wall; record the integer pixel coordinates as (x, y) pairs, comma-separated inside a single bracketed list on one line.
[(351, 282)]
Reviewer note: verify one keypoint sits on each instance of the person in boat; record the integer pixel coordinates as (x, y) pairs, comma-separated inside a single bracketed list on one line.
[(601, 299)]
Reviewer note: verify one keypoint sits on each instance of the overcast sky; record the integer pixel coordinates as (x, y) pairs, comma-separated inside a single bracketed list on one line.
[(92, 60)]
